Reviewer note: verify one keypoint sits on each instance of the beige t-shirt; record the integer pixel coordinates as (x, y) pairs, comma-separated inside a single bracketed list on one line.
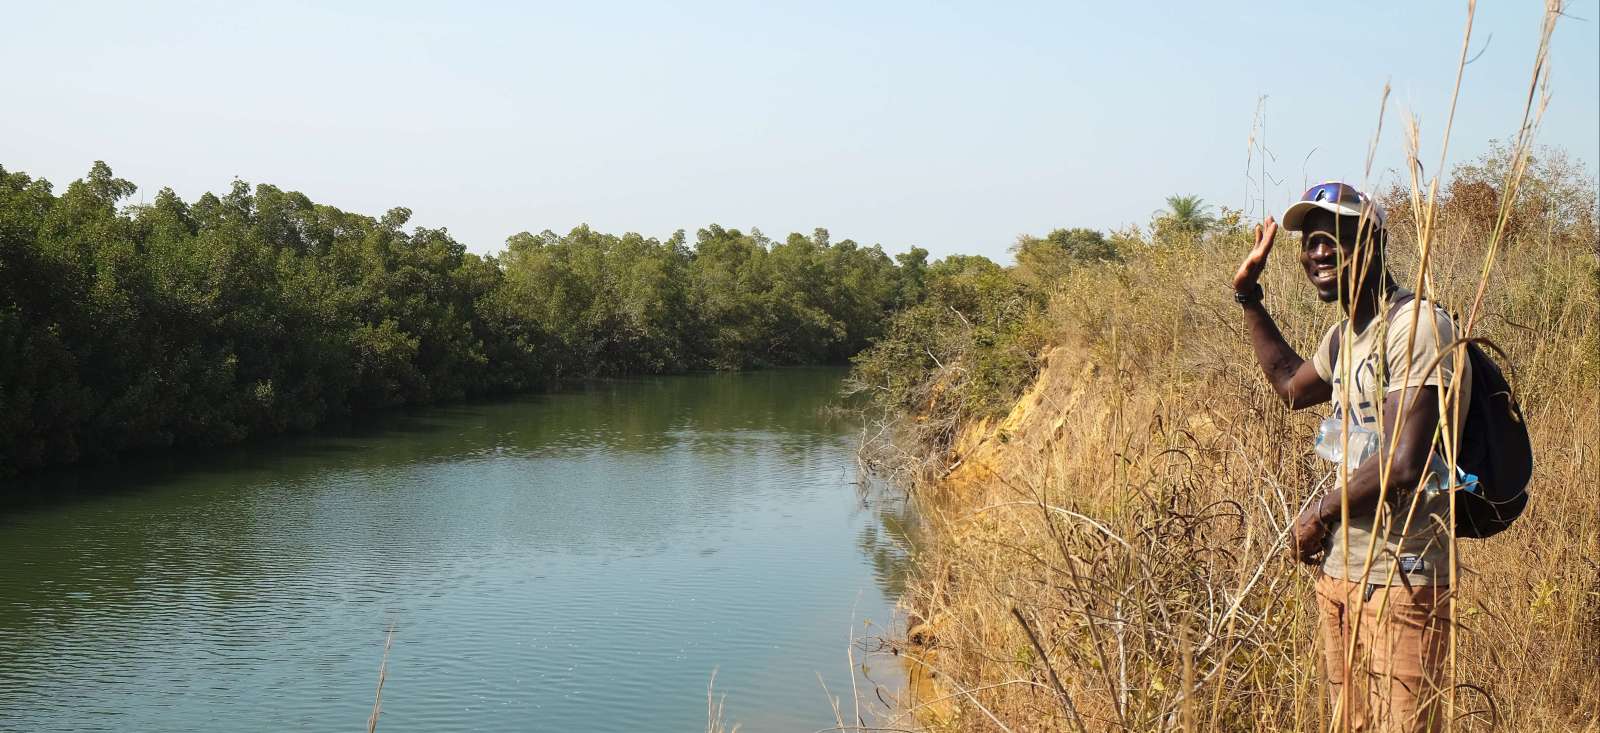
[(1372, 364)]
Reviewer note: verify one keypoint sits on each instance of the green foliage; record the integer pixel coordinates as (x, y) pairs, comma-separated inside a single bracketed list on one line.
[(965, 351), (260, 311), (1042, 261), (1184, 215), (969, 339), (909, 282)]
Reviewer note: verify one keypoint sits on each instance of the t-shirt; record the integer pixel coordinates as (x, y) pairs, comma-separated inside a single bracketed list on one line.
[(1372, 364)]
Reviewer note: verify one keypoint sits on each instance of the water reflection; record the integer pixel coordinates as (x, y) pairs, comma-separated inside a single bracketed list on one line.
[(886, 542), (579, 560)]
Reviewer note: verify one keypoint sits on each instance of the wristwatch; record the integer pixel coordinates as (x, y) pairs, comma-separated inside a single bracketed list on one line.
[(1253, 295)]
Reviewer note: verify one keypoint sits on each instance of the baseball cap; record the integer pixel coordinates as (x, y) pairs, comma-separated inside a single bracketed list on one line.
[(1339, 198)]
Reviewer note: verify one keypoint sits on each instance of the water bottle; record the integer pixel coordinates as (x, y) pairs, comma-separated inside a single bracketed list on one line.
[(1333, 445), (1362, 444), (1438, 469)]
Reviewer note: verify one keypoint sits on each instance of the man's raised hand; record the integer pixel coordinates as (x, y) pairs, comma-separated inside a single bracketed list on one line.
[(1250, 270)]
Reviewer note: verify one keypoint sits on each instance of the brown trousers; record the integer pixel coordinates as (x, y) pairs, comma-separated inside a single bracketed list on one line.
[(1394, 681)]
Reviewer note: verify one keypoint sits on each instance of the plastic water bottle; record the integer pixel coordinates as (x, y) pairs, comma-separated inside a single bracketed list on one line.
[(1438, 469), (1333, 445), (1362, 444)]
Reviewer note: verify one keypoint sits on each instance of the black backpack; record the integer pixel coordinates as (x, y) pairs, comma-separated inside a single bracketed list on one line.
[(1494, 444)]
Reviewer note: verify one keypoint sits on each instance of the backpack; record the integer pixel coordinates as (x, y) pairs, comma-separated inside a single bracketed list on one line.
[(1494, 444)]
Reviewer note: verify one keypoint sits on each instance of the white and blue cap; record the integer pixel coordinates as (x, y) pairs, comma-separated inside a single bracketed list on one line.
[(1339, 198)]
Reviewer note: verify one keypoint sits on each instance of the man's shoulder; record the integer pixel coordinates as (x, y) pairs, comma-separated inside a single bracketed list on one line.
[(1421, 335), (1434, 317)]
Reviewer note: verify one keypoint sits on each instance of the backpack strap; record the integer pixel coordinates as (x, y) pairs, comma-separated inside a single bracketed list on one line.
[(1333, 348), (1401, 297)]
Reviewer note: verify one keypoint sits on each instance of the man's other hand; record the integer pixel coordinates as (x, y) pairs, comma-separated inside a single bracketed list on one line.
[(1305, 541), (1250, 270)]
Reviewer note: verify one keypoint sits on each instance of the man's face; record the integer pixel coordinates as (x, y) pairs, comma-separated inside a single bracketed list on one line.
[(1327, 250)]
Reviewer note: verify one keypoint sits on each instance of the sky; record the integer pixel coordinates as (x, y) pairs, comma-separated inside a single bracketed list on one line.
[(954, 127)]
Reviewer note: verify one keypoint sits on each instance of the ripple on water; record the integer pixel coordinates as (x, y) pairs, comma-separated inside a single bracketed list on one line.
[(575, 562)]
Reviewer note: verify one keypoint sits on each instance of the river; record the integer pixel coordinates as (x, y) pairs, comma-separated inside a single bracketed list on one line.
[(580, 560)]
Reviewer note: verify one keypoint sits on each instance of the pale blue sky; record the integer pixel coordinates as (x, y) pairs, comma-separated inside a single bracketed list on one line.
[(953, 127)]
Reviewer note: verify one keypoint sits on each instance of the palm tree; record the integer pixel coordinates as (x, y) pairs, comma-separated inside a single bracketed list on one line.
[(1188, 214)]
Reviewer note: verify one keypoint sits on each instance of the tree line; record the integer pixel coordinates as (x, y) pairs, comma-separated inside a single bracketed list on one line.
[(135, 327), (128, 328)]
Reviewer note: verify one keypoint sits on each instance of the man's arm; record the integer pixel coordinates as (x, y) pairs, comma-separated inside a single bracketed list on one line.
[(1406, 463), (1294, 379)]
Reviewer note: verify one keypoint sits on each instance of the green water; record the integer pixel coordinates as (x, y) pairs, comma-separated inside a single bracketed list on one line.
[(573, 561)]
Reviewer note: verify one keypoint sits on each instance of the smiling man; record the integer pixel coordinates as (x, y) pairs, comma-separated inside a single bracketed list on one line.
[(1381, 534)]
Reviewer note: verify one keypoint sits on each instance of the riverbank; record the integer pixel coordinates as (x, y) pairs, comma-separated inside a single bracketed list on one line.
[(1107, 551)]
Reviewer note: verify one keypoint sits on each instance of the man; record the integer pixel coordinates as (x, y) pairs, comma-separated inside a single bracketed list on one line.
[(1383, 530)]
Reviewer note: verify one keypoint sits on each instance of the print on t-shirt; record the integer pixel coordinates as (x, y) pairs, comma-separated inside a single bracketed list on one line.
[(1403, 541)]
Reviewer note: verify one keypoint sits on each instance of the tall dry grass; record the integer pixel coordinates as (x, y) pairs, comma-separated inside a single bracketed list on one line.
[(1111, 556), (1135, 514)]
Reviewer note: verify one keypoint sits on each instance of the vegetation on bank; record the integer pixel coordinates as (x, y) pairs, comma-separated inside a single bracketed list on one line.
[(1103, 545), (970, 346), (191, 324)]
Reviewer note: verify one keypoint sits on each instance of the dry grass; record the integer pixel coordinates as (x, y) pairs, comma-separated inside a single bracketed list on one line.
[(1111, 556), (383, 674), (1134, 512), (715, 720)]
